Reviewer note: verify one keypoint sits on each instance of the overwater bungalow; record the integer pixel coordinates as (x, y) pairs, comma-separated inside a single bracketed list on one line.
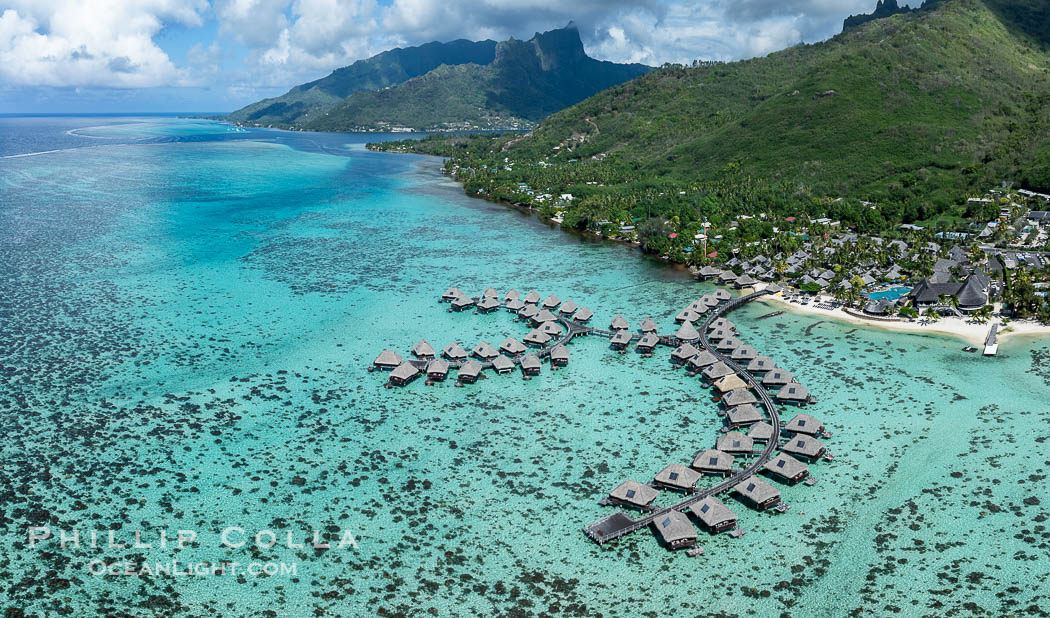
[(727, 277), (582, 315), (717, 370), (683, 353), (778, 377), (675, 529), (462, 302), (701, 360), (454, 352), (536, 338), (568, 308), (528, 312), (687, 315), (469, 372), (760, 494), (744, 353), (678, 477), (488, 304), (720, 334), (618, 323), (387, 360), (490, 292), (512, 347), (403, 374), (722, 295), (714, 515), (729, 344), (774, 288), (620, 340), (559, 356), (728, 383), (511, 294), (502, 364), (709, 272), (804, 446), (423, 350), (648, 343), (713, 461), (793, 393), (698, 307), (735, 443), (744, 415), (484, 351), (633, 493), (514, 305), (531, 365), (551, 328), (721, 323), (544, 316), (786, 468), (687, 333), (551, 302), (649, 325), (451, 294), (805, 424), (760, 364), (761, 432), (739, 397), (532, 298), (437, 369)]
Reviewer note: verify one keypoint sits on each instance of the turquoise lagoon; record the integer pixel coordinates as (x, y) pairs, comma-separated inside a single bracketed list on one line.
[(186, 319)]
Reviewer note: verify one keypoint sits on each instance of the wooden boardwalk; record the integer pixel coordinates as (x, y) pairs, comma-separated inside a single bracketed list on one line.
[(619, 523)]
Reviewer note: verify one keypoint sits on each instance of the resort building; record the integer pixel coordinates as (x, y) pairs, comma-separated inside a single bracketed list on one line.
[(761, 432), (484, 351), (760, 494), (675, 529), (793, 393), (648, 343), (387, 360), (451, 294), (403, 374), (728, 344), (559, 356), (713, 461), (744, 353), (728, 383), (469, 372), (735, 443), (487, 305), (687, 333), (532, 298), (804, 446), (739, 397), (677, 476), (583, 314), (511, 294), (531, 365), (551, 302), (745, 415), (648, 325), (786, 468), (515, 305), (502, 364), (633, 493), (512, 347), (536, 338), (684, 352), (618, 323), (717, 370), (437, 369), (568, 308), (805, 424), (423, 350), (703, 359), (620, 340), (454, 352), (462, 302), (777, 378), (714, 515), (760, 364)]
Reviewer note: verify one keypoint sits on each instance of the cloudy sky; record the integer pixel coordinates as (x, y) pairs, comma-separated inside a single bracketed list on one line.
[(217, 55)]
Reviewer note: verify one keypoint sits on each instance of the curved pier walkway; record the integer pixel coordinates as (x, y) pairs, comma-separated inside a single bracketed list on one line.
[(619, 523)]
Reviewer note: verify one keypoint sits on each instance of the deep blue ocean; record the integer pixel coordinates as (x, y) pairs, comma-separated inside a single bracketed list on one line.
[(187, 313)]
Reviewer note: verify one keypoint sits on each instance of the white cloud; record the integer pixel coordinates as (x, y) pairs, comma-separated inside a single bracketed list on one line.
[(107, 43)]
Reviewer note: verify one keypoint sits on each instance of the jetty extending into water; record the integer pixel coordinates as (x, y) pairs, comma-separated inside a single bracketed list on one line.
[(991, 343)]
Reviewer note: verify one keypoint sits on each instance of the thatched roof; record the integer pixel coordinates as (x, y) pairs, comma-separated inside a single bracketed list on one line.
[(515, 305), (687, 332), (648, 325), (582, 314), (423, 349), (451, 293), (675, 527), (488, 303), (687, 315), (744, 415), (618, 323), (620, 337), (470, 369), (778, 377), (761, 432), (729, 343), (501, 363), (735, 442), (739, 397), (485, 351), (512, 294), (532, 297), (560, 352), (454, 351), (713, 460), (551, 301), (756, 490), (404, 371), (793, 392), (490, 292), (438, 366), (804, 423), (568, 308), (786, 466), (728, 383), (684, 352), (717, 370), (530, 362), (806, 446), (388, 358), (712, 512), (678, 475), (536, 337), (512, 346), (761, 363), (648, 342), (462, 301), (545, 316), (703, 359), (635, 493), (743, 353)]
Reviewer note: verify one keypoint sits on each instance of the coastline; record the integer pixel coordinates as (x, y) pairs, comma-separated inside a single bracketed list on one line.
[(969, 332)]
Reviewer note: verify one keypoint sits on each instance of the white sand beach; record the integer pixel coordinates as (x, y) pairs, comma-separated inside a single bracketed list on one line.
[(973, 333)]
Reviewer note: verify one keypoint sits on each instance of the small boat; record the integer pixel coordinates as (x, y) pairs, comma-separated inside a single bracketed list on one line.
[(695, 551), (969, 348)]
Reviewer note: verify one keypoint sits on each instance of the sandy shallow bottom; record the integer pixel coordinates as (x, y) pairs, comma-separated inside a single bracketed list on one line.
[(187, 330)]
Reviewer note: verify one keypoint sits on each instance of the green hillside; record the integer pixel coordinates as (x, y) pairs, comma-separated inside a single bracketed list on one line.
[(527, 81), (304, 102), (911, 112)]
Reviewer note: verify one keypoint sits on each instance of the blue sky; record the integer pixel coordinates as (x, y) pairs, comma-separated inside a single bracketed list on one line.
[(217, 55)]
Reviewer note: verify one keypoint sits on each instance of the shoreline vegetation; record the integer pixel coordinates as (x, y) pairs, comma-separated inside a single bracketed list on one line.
[(970, 331)]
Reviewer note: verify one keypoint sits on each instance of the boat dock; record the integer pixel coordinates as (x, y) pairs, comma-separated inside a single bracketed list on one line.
[(991, 343)]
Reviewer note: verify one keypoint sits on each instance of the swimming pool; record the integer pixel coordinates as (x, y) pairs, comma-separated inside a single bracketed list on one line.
[(892, 293)]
